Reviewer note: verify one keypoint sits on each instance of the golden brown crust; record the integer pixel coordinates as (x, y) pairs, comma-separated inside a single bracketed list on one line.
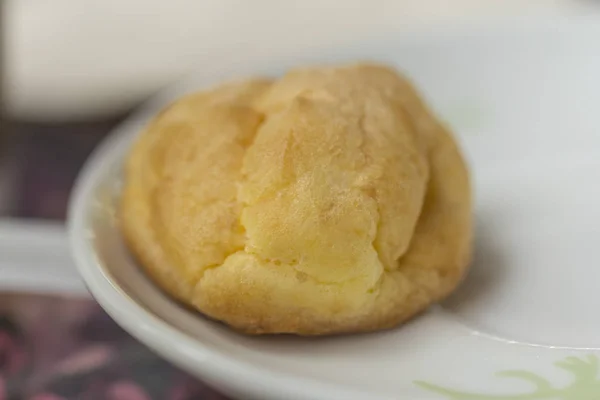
[(328, 201)]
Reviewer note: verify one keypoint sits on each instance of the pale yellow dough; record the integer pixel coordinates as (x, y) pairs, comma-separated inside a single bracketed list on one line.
[(328, 201)]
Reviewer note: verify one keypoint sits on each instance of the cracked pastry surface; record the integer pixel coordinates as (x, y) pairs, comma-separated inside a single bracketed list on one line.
[(328, 201)]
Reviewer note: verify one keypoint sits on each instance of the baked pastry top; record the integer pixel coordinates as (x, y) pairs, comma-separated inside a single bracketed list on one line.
[(328, 201)]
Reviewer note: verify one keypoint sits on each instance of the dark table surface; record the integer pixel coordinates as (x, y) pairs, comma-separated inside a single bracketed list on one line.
[(45, 159)]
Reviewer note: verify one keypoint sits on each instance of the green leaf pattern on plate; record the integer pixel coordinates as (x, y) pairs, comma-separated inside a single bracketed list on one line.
[(584, 386)]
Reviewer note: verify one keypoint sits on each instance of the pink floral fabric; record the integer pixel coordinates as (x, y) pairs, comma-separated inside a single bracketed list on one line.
[(59, 348)]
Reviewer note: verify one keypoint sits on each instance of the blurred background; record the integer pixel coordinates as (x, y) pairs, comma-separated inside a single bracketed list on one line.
[(72, 69)]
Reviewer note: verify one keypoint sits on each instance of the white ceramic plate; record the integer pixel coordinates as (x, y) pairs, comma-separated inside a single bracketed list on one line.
[(524, 101)]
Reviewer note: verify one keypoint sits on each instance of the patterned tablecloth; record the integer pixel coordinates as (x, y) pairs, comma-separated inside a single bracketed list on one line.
[(63, 348)]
